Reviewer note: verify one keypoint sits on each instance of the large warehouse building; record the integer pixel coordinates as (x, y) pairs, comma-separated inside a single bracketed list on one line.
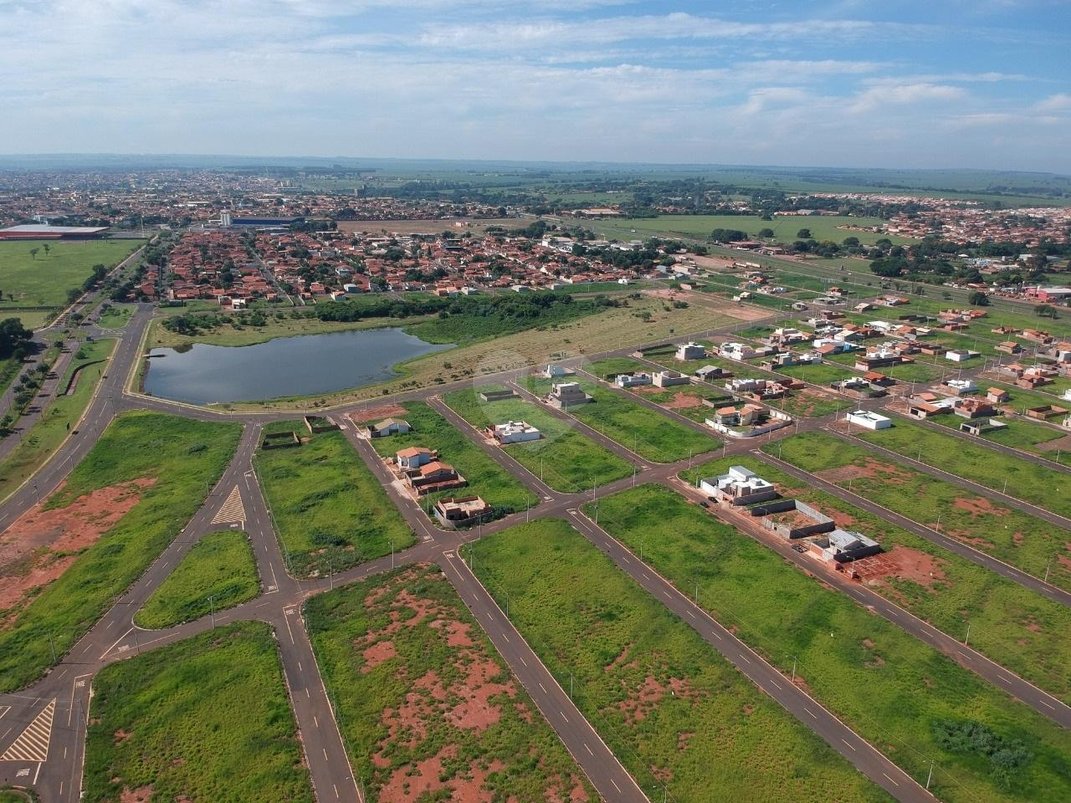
[(44, 231)]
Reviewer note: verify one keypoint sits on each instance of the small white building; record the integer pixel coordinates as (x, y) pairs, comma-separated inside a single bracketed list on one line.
[(515, 432), (958, 355), (632, 380), (736, 351), (691, 351), (667, 379), (556, 371), (739, 486), (869, 420)]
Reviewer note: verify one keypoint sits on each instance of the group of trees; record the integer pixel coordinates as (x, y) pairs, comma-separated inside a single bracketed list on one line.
[(14, 339)]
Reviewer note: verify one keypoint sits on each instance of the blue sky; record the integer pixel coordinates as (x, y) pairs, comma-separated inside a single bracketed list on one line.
[(889, 83)]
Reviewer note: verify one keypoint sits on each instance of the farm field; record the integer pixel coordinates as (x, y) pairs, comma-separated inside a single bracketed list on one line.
[(784, 228), (217, 573), (647, 433), (1014, 537), (680, 718), (1047, 488), (43, 281), (426, 707), (1015, 627), (899, 694), (485, 477), (127, 499), (565, 459), (204, 719), (62, 416), (328, 507)]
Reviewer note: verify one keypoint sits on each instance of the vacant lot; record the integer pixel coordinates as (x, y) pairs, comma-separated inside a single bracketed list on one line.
[(681, 719), (485, 477), (647, 433), (427, 708), (1017, 628), (564, 458), (204, 719), (218, 572), (1016, 538), (1047, 488), (120, 507), (43, 280), (896, 692), (329, 509), (785, 229)]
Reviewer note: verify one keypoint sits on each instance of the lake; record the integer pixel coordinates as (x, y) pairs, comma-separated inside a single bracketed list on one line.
[(305, 365)]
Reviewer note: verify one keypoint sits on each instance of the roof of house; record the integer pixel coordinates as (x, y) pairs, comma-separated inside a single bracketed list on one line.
[(413, 451)]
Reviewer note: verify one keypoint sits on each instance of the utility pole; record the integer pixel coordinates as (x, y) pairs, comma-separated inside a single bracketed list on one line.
[(929, 776), (968, 634)]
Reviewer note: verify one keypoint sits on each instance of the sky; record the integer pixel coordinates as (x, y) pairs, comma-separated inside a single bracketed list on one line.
[(853, 83)]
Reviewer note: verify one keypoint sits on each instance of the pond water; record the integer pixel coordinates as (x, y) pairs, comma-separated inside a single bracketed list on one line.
[(305, 365)]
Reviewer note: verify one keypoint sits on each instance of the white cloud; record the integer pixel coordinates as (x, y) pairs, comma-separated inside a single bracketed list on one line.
[(1060, 102)]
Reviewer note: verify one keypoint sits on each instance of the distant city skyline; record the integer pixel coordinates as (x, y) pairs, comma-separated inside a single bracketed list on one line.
[(855, 83)]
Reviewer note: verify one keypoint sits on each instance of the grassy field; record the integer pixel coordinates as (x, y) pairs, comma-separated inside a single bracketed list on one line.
[(604, 331), (609, 366), (1014, 537), (44, 281), (1047, 488), (203, 719), (62, 416), (217, 573), (329, 509), (17, 796), (231, 335), (116, 316), (785, 228), (896, 692), (183, 459), (485, 477), (1017, 628), (649, 434), (821, 374), (680, 718), (564, 458), (1021, 433), (405, 644)]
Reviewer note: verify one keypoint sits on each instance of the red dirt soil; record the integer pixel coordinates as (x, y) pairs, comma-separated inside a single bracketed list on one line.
[(377, 413), (683, 401), (142, 794), (979, 506), (903, 563), (871, 469), (41, 544)]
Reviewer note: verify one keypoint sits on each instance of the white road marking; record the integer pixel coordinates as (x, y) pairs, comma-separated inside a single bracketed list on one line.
[(894, 783)]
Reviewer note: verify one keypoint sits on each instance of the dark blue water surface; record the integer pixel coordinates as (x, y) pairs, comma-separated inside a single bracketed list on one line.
[(306, 365)]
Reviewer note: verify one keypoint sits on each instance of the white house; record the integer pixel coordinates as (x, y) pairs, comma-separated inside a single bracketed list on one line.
[(632, 380), (414, 457), (515, 432), (737, 351), (868, 420), (666, 379), (556, 371), (740, 486), (958, 355), (691, 351), (389, 426)]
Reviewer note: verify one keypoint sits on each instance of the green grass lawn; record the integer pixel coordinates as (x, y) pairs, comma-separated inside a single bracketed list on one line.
[(61, 417), (115, 316), (406, 642), (617, 365), (565, 459), (785, 228), (895, 691), (44, 281), (821, 374), (218, 572), (1044, 487), (329, 509), (17, 796), (666, 704), (1019, 629), (1010, 535), (203, 719), (183, 458), (647, 433), (486, 478), (1019, 433)]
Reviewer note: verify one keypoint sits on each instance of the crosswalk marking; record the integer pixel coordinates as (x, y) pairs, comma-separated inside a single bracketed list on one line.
[(232, 510), (32, 744)]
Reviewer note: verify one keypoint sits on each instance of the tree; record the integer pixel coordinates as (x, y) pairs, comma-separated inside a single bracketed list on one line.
[(766, 233), (14, 338), (47, 248), (804, 234), (978, 299), (33, 252)]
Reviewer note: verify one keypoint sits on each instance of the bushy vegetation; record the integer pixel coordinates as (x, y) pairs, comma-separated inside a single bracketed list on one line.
[(888, 686), (682, 720), (218, 572), (330, 510), (183, 458), (438, 638), (204, 719)]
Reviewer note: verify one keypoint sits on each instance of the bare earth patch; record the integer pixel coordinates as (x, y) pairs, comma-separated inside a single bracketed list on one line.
[(41, 544), (683, 401), (376, 413), (143, 794), (979, 506), (903, 563), (871, 469)]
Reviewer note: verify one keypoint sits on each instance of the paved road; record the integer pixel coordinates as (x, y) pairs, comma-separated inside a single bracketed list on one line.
[(860, 753)]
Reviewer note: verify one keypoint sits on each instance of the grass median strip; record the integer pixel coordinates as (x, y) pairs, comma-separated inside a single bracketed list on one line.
[(564, 458), (204, 719), (425, 705), (217, 573), (330, 510), (127, 499), (681, 719), (902, 696)]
